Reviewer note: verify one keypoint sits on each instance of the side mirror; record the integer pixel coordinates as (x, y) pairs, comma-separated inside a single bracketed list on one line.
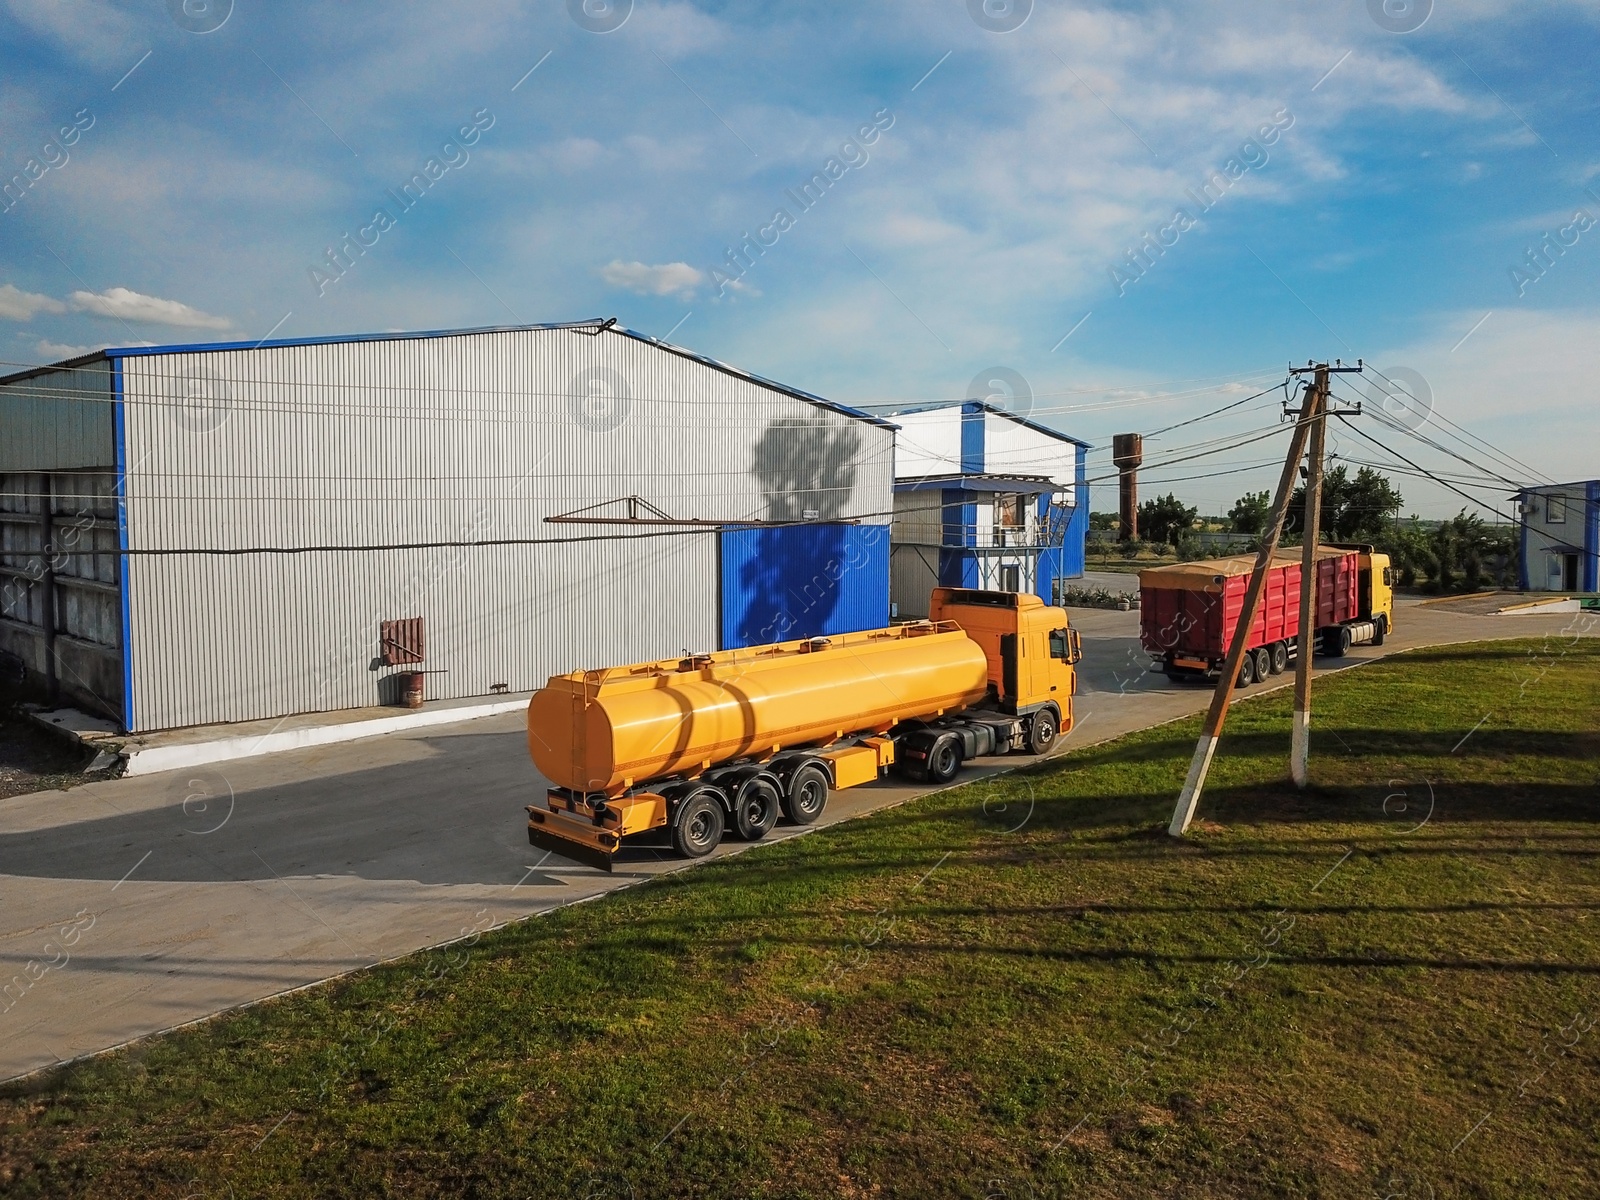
[(1075, 647)]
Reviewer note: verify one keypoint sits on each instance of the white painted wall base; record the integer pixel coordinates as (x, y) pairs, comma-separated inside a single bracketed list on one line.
[(149, 760)]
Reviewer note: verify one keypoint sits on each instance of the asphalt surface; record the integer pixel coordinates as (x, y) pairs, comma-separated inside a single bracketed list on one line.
[(130, 906)]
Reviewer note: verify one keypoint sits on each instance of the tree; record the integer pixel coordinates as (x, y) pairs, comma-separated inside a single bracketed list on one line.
[(1353, 510), (1164, 519), (1250, 511)]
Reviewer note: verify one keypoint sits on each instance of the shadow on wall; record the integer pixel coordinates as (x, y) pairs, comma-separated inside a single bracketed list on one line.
[(790, 578)]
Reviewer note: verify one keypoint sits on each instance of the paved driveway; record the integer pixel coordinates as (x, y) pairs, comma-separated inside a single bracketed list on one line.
[(133, 905)]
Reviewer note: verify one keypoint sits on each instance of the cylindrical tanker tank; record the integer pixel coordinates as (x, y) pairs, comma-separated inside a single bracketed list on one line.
[(607, 731)]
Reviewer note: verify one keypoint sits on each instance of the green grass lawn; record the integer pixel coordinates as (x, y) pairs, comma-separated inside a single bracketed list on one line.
[(1386, 986)]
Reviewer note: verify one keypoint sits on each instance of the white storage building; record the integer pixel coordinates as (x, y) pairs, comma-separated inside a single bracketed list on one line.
[(208, 533)]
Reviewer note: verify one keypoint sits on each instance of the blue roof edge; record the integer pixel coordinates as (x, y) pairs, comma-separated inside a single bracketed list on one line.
[(999, 412), (598, 324)]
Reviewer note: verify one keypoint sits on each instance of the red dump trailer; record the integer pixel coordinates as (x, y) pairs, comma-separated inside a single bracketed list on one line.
[(1188, 611)]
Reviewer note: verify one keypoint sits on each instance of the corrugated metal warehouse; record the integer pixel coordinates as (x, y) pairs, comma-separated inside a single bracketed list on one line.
[(207, 533)]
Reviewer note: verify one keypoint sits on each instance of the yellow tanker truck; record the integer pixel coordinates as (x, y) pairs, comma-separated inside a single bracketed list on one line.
[(729, 740)]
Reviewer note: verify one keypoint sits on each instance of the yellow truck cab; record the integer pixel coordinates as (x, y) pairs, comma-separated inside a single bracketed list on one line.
[(1030, 646), (1374, 593)]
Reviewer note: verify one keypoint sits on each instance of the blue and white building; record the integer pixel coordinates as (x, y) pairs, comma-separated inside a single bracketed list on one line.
[(1560, 541), (984, 498)]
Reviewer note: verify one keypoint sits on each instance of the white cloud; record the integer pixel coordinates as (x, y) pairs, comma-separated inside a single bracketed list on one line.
[(58, 351), (666, 279), (128, 305), (18, 305), (94, 31)]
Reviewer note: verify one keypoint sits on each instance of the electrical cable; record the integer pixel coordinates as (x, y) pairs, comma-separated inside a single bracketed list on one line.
[(1507, 459), (1470, 499)]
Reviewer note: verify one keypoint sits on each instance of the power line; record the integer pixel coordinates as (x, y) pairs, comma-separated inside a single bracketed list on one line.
[(1473, 500), (1493, 450), (1476, 466)]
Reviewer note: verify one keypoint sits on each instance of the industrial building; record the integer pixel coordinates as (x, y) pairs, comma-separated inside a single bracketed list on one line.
[(984, 498), (227, 532), (1559, 548)]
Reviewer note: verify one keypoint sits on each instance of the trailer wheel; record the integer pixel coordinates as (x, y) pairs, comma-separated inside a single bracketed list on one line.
[(755, 807), (1042, 730), (697, 827), (807, 795), (944, 759), (1263, 664), (1247, 670), (1280, 657)]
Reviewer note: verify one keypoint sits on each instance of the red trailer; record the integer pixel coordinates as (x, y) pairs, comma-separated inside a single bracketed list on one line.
[(1188, 612)]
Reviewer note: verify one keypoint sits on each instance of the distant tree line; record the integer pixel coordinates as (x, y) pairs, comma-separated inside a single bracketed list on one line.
[(1463, 553)]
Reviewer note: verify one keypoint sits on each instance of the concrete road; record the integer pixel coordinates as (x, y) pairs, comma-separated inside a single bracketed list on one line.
[(133, 905)]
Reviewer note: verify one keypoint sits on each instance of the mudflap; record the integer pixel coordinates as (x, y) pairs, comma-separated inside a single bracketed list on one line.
[(578, 840)]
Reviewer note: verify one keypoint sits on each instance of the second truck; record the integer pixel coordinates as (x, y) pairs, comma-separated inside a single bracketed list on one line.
[(730, 740), (1188, 611)]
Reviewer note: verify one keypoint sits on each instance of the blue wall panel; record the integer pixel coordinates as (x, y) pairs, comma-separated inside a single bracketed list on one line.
[(803, 581)]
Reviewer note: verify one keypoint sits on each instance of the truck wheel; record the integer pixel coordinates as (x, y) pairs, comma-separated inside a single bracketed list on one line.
[(1042, 731), (944, 759), (807, 795), (1263, 664), (755, 807), (698, 825), (1338, 639), (1380, 629), (1280, 657), (1247, 670)]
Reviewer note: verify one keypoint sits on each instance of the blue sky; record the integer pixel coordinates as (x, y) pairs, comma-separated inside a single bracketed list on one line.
[(1409, 174)]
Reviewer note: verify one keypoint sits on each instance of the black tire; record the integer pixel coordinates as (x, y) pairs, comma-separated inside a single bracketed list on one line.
[(944, 759), (1043, 730), (1247, 670), (756, 802), (698, 824), (1263, 664), (1280, 657), (1380, 630), (807, 795)]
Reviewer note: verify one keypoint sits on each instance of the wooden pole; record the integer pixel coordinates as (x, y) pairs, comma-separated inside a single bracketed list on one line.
[(1189, 798), (1305, 645)]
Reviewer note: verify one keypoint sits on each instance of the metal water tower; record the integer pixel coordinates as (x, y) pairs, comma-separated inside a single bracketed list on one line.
[(1127, 451)]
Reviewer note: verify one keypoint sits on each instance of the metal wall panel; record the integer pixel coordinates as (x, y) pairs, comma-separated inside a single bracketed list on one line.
[(803, 581), (57, 420), (453, 438)]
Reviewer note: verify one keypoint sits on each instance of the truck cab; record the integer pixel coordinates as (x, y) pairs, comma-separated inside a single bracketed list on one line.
[(1374, 588), (1031, 647)]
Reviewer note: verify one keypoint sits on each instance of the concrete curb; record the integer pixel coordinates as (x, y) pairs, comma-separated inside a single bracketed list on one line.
[(94, 733), (149, 760)]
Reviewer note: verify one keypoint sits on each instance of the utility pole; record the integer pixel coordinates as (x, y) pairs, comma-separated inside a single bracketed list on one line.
[(1195, 784), (1312, 412), (1316, 405)]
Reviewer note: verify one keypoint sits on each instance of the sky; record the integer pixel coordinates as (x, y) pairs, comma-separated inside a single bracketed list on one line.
[(1113, 218)]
